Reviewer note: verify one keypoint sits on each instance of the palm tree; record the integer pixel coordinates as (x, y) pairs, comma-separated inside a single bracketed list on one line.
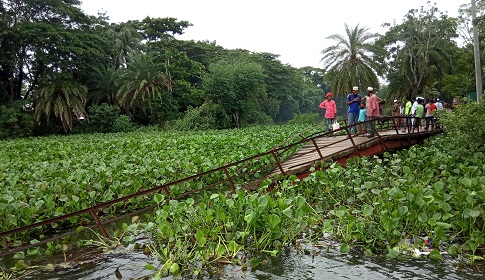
[(105, 85), (142, 78), (351, 61), (62, 96), (419, 50), (125, 41)]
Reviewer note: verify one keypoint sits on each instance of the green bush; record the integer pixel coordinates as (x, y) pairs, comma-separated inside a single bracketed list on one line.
[(123, 124), (102, 118), (307, 118), (207, 116), (465, 127), (15, 120), (106, 118)]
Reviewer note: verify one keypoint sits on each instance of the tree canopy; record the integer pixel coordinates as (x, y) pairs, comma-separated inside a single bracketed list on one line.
[(352, 61), (58, 64)]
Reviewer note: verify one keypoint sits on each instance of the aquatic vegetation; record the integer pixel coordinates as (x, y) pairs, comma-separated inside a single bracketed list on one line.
[(47, 177), (224, 228), (425, 201)]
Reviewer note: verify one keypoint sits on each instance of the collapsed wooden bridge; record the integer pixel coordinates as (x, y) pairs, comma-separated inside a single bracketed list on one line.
[(297, 156)]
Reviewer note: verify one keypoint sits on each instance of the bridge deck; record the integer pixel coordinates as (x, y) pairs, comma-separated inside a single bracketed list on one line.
[(340, 148)]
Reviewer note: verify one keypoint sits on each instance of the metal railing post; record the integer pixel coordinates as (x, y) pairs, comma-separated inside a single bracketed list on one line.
[(98, 222), (316, 147), (278, 162), (378, 136), (230, 180), (167, 191), (352, 140)]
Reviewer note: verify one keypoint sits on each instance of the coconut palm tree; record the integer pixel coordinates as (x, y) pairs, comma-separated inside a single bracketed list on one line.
[(125, 41), (351, 62), (142, 78), (105, 85), (62, 97)]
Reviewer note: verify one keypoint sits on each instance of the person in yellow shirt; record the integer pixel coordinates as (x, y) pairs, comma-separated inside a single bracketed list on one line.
[(407, 113)]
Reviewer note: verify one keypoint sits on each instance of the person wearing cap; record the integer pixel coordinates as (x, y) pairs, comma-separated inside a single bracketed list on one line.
[(372, 106), (353, 101), (330, 110), (396, 112)]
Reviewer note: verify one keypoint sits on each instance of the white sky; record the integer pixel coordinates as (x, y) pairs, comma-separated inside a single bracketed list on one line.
[(296, 30)]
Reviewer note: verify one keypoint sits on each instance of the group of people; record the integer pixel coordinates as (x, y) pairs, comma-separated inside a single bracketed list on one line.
[(416, 111), (365, 108), (359, 110)]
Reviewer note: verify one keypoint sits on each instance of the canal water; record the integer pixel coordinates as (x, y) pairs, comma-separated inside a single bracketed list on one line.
[(291, 264)]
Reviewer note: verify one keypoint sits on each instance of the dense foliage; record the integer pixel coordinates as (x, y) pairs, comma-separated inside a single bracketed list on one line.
[(61, 174), (465, 127), (57, 62)]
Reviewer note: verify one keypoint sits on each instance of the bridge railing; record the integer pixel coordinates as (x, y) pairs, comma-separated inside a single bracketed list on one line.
[(245, 173)]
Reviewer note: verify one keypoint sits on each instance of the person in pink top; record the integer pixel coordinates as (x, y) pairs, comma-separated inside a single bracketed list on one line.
[(330, 110), (372, 106)]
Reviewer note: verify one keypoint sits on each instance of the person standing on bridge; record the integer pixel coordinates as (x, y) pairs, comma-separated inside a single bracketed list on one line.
[(353, 101), (418, 113), (362, 116), (373, 112), (396, 112), (429, 118), (407, 114), (330, 110)]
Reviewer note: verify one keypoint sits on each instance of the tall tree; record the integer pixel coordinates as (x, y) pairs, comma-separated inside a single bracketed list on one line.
[(418, 49), (126, 40), (284, 85), (41, 37), (238, 86), (352, 61)]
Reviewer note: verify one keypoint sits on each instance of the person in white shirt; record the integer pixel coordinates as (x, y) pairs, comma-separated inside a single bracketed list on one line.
[(439, 105), (413, 108)]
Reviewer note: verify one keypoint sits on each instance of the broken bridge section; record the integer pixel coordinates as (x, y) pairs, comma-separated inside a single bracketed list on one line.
[(341, 145)]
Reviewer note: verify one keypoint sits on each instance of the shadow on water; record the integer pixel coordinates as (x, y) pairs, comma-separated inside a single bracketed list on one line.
[(292, 264)]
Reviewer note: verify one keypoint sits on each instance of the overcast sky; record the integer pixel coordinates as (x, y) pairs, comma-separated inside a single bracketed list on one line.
[(296, 30)]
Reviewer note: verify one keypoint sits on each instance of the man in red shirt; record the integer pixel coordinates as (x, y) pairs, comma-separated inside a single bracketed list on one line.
[(372, 107)]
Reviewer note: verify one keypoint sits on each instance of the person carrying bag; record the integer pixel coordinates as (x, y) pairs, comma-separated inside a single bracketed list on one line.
[(330, 111)]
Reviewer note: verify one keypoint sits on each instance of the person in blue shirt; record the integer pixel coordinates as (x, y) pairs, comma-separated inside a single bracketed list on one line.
[(353, 101)]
